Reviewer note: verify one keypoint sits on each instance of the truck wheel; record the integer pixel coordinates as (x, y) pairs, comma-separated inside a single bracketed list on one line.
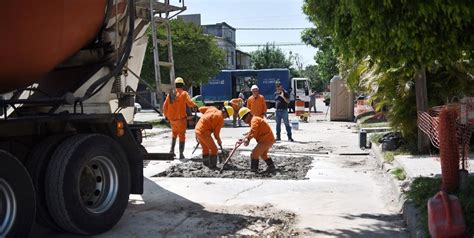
[(17, 198), (87, 184), (37, 165)]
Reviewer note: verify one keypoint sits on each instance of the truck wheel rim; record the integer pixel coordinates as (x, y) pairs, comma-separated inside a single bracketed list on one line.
[(98, 184), (7, 207)]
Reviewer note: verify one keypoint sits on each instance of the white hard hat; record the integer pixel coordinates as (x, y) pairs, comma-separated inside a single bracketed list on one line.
[(254, 87)]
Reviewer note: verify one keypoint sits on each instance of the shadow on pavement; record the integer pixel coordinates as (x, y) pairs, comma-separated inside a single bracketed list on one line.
[(386, 226), (160, 212)]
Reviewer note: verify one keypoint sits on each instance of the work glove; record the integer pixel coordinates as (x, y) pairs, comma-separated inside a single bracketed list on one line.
[(245, 141)]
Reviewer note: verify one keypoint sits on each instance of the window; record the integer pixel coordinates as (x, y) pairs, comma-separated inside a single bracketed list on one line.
[(229, 58), (300, 84)]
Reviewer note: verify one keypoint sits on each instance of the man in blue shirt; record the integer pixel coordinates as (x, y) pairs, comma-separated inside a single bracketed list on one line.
[(282, 98)]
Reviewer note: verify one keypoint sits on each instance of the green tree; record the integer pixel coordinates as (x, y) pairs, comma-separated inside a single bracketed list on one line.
[(196, 55), (325, 58), (317, 83), (413, 35), (269, 57)]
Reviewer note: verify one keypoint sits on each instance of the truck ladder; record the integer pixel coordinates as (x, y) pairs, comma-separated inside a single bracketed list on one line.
[(160, 13)]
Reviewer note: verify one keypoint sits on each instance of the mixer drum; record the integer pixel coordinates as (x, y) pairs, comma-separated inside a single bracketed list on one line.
[(36, 36)]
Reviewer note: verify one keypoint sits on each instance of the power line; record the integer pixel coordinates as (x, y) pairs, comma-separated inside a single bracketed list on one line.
[(275, 44), (250, 18), (270, 28)]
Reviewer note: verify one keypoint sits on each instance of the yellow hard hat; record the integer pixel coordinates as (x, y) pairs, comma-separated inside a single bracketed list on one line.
[(226, 103), (243, 111), (229, 110), (179, 80)]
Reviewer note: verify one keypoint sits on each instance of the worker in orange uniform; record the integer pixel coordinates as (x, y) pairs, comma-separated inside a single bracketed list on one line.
[(236, 104), (176, 113), (211, 122), (256, 103), (261, 131)]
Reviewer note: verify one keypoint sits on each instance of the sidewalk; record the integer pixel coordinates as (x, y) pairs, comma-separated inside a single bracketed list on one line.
[(414, 166), (426, 166)]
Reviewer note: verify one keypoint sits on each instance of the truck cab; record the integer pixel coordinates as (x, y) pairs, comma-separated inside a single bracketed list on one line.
[(300, 88)]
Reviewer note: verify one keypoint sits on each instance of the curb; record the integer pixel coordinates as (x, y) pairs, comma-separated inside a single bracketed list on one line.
[(410, 213)]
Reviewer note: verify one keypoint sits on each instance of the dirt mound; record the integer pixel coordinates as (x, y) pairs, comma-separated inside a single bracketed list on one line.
[(287, 168)]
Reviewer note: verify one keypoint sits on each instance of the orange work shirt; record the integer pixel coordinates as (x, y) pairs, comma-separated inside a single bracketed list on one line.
[(260, 130), (236, 104), (257, 105), (211, 121), (177, 109)]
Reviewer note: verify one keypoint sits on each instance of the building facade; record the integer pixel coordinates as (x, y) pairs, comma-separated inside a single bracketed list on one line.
[(225, 37), (242, 60)]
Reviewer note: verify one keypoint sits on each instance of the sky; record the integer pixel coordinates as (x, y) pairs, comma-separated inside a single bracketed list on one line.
[(258, 13)]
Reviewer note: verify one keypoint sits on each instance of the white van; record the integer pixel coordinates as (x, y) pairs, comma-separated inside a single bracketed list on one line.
[(300, 88)]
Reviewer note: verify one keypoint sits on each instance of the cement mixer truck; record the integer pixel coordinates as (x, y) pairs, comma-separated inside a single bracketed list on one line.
[(70, 152)]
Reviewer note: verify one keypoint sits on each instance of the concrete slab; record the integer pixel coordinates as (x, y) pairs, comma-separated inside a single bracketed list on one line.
[(425, 166)]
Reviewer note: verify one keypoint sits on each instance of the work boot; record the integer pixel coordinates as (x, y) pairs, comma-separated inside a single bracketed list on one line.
[(254, 165), (213, 161), (290, 139), (270, 166), (181, 150), (173, 143), (205, 160)]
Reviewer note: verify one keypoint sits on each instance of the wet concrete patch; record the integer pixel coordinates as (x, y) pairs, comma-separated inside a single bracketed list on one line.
[(287, 168)]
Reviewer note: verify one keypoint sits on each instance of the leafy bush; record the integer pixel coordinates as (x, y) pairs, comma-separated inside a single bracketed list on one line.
[(399, 173), (389, 156), (422, 189)]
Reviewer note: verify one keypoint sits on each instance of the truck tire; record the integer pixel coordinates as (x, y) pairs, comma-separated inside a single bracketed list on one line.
[(17, 198), (87, 184), (37, 165)]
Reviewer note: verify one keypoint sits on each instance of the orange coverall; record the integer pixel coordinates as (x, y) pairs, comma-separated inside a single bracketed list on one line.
[(263, 134), (257, 105), (176, 113), (236, 104), (211, 122)]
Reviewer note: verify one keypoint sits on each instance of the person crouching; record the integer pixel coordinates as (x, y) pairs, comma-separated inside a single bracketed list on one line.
[(211, 122), (261, 131), (236, 104)]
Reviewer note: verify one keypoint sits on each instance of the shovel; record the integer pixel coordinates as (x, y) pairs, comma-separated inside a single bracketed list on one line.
[(195, 148), (224, 154), (237, 144)]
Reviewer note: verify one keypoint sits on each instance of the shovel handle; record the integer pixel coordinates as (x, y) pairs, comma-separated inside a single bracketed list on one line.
[(237, 144), (195, 148)]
